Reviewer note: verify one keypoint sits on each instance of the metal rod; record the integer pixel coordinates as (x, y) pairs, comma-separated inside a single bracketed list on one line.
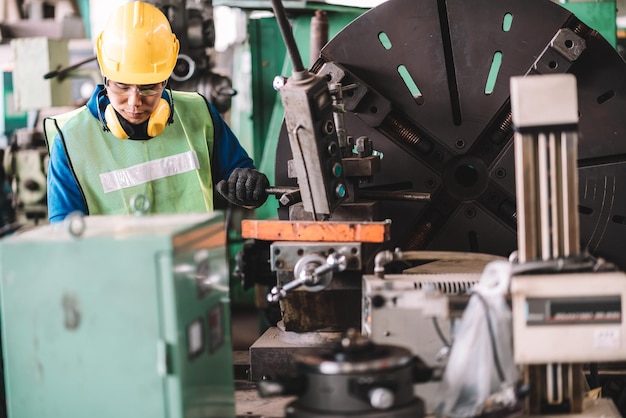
[(286, 195), (570, 199), (526, 186), (319, 35), (280, 190), (285, 30), (543, 198), (556, 235), (403, 196), (61, 72)]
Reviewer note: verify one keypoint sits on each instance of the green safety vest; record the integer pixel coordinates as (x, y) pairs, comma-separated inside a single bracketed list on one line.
[(172, 170)]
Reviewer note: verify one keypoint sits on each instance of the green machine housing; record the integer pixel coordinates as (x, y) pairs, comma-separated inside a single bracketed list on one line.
[(118, 316)]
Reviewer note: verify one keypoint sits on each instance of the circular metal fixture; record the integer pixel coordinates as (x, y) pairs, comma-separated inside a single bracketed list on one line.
[(431, 91)]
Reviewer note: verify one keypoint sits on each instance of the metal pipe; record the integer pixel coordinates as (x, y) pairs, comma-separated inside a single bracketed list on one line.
[(526, 189), (288, 38), (402, 196), (286, 195), (383, 258), (543, 201), (556, 236), (61, 72), (319, 35), (569, 159), (280, 190)]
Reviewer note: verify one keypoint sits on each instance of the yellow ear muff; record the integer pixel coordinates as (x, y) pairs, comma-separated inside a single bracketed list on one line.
[(113, 123), (156, 124), (158, 118)]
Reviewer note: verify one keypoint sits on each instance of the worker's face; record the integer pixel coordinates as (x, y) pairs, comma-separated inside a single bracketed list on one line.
[(134, 102)]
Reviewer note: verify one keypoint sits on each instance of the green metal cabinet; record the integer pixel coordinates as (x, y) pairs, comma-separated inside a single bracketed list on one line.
[(10, 118), (129, 318)]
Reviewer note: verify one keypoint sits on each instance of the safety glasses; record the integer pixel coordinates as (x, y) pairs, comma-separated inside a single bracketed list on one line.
[(144, 90)]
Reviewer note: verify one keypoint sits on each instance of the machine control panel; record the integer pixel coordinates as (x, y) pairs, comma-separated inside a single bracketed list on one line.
[(314, 144), (568, 318)]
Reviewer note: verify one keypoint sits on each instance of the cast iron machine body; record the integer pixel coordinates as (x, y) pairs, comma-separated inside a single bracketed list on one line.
[(425, 88), (428, 86)]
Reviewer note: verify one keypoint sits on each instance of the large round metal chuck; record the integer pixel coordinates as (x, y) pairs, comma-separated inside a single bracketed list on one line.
[(357, 378), (432, 95)]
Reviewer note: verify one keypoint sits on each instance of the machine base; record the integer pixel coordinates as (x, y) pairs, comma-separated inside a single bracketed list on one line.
[(271, 355), (413, 410)]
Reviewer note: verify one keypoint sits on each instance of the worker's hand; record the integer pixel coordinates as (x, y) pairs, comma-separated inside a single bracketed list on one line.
[(245, 187)]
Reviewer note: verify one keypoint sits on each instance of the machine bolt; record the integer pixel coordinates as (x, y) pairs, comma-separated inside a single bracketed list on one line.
[(337, 262), (364, 147), (381, 398), (279, 82), (329, 127)]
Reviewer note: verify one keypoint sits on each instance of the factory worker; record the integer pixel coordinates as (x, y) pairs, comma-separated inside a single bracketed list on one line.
[(137, 138)]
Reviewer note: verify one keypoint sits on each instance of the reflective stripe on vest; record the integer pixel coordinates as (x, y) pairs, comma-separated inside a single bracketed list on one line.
[(152, 170)]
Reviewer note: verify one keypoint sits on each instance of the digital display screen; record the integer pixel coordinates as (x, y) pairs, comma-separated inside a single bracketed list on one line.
[(574, 310)]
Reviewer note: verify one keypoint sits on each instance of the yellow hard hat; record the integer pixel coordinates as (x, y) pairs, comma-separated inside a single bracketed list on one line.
[(137, 45)]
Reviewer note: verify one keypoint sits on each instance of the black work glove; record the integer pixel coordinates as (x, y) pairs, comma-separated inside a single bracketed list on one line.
[(245, 187)]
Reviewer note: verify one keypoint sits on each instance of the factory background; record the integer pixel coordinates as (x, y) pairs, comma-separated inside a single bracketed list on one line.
[(428, 131)]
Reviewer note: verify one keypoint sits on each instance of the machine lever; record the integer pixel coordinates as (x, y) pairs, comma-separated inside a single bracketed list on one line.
[(288, 195), (290, 41), (334, 262), (62, 72), (313, 272)]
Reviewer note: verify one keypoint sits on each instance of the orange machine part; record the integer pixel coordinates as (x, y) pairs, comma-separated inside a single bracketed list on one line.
[(276, 230)]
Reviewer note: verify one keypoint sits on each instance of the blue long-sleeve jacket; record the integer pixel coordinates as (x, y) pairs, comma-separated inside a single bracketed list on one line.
[(65, 196)]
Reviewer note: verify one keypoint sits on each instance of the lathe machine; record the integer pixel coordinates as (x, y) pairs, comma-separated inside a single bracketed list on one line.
[(405, 123), (400, 136)]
